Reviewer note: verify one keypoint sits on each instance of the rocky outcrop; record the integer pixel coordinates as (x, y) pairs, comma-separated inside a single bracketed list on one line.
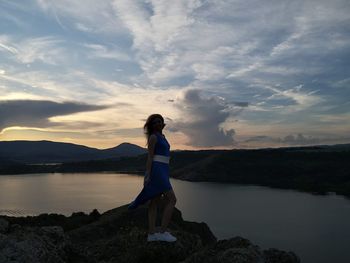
[(33, 244), (240, 250), (119, 235)]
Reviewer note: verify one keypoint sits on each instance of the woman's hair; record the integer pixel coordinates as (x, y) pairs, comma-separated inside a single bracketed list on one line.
[(148, 127)]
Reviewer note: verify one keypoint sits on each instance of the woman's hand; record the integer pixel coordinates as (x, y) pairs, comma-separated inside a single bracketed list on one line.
[(146, 178)]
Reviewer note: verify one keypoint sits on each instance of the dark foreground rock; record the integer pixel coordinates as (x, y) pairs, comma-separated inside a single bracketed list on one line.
[(119, 235)]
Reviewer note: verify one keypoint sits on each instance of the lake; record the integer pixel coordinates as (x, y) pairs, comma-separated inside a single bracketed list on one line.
[(317, 228)]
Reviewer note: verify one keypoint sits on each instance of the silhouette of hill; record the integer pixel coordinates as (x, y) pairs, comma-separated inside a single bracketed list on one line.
[(29, 152), (317, 169)]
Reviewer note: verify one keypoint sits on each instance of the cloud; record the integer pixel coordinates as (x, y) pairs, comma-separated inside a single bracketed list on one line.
[(202, 118), (62, 85), (291, 139), (240, 103), (36, 113), (101, 51), (47, 49), (83, 27), (299, 100), (203, 41), (91, 16), (259, 138), (298, 139), (9, 48), (155, 30), (285, 64)]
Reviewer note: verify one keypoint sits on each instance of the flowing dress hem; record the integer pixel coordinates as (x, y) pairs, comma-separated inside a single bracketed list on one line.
[(133, 204)]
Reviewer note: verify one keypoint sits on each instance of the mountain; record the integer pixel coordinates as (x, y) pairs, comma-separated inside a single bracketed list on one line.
[(30, 152), (123, 149)]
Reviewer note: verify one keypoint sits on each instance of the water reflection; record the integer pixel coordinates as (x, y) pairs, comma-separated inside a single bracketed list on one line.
[(315, 227)]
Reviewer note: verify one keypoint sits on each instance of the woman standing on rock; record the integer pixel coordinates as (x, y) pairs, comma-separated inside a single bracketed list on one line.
[(156, 182)]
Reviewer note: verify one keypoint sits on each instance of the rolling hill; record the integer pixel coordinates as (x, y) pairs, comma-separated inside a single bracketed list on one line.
[(34, 152)]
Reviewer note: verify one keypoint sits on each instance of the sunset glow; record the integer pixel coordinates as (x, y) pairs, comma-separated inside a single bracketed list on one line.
[(223, 74)]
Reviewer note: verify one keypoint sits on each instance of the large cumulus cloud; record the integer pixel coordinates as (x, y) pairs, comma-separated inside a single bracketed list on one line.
[(202, 118)]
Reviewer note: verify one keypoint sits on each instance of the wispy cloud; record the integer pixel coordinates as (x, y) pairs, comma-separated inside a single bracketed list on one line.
[(101, 51), (46, 49), (299, 100), (91, 16), (6, 46)]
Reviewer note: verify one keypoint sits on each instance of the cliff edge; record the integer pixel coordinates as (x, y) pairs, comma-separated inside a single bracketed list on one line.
[(119, 235)]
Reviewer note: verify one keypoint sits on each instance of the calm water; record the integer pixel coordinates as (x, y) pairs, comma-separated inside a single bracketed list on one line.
[(317, 228)]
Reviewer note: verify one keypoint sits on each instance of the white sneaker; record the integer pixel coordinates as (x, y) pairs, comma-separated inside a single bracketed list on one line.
[(153, 237), (166, 236)]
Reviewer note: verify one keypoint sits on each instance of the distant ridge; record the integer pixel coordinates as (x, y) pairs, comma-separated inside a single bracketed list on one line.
[(125, 149), (317, 169), (29, 152), (50, 152)]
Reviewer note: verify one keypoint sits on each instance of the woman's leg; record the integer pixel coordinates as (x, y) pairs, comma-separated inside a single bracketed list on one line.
[(168, 210), (152, 214)]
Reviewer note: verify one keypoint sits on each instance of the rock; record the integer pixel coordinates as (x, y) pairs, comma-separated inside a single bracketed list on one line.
[(273, 255), (33, 245), (239, 250), (120, 235), (4, 224), (130, 245), (77, 219)]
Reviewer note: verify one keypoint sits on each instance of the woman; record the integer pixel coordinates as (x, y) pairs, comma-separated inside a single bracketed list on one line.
[(157, 185)]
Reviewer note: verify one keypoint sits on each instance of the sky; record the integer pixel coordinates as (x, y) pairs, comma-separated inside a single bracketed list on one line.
[(223, 74)]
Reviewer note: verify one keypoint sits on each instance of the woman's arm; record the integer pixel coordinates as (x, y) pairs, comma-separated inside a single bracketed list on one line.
[(151, 145)]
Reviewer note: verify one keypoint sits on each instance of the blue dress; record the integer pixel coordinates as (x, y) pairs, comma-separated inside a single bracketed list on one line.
[(159, 177)]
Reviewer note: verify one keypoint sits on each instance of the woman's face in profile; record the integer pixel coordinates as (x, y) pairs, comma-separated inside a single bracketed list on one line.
[(158, 124)]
